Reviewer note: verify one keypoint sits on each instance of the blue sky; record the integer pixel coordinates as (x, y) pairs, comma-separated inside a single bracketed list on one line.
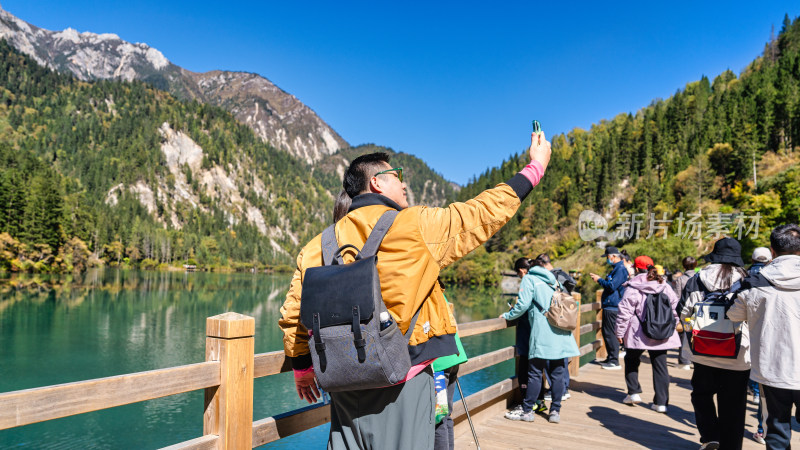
[(454, 83)]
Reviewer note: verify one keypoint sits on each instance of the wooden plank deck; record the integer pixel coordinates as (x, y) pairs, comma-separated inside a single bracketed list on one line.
[(595, 417)]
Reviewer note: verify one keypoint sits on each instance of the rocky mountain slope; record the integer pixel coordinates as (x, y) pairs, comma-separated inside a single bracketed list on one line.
[(120, 161), (138, 158), (276, 116)]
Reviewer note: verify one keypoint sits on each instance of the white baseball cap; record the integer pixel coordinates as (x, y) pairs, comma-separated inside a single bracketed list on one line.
[(762, 254)]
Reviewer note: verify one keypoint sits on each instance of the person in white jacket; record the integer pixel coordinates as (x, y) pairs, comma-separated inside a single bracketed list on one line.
[(771, 307), (720, 423)]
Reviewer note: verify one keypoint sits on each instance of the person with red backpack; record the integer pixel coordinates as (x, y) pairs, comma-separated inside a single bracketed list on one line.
[(646, 321), (720, 348)]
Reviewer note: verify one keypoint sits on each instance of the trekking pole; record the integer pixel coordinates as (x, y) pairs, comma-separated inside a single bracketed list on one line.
[(469, 419)]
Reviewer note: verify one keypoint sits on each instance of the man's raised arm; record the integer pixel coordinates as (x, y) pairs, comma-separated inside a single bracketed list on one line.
[(456, 230)]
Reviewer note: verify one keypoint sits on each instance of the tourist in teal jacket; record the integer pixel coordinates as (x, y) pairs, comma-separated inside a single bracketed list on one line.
[(548, 345), (535, 292)]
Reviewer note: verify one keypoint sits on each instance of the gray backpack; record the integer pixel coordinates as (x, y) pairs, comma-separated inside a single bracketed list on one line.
[(340, 306)]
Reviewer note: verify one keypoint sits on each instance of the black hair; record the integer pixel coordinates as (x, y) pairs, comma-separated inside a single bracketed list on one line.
[(625, 255), (341, 205), (361, 170), (543, 259), (689, 263), (785, 239), (523, 263)]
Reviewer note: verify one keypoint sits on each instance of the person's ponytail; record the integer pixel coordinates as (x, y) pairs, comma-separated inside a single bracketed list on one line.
[(652, 274)]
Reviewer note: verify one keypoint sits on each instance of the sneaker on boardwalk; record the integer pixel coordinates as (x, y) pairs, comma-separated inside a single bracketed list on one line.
[(632, 399), (514, 413), (549, 396), (659, 408)]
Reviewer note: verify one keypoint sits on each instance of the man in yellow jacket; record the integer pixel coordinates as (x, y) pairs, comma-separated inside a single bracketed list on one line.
[(418, 245)]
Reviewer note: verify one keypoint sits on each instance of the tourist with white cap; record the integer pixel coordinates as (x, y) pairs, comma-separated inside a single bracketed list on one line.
[(761, 257)]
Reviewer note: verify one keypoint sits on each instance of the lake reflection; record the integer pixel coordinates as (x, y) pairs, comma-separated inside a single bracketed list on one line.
[(112, 322)]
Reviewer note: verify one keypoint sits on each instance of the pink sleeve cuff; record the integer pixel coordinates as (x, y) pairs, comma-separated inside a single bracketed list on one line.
[(300, 373), (533, 172)]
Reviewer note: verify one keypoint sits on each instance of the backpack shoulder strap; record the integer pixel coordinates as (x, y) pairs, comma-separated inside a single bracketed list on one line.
[(413, 323), (375, 238), (693, 284), (553, 287), (329, 246), (559, 286), (645, 303), (755, 281)]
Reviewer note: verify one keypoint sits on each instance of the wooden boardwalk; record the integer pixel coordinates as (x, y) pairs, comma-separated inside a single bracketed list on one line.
[(595, 417)]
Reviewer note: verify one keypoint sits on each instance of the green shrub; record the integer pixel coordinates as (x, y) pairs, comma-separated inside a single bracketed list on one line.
[(148, 264)]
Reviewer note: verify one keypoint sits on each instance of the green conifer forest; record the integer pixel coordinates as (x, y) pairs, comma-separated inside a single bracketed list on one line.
[(723, 146), (77, 157)]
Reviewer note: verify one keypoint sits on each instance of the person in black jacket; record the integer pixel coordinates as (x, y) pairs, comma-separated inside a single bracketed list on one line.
[(612, 293)]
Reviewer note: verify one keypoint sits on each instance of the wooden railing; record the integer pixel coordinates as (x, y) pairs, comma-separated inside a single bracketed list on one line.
[(227, 378)]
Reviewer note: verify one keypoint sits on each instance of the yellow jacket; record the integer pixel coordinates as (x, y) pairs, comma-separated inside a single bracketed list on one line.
[(421, 241)]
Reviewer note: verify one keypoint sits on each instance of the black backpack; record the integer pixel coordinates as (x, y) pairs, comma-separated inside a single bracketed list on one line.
[(658, 322), (565, 279), (341, 306)]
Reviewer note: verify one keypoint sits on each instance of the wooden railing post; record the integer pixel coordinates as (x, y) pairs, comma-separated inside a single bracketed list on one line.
[(601, 352), (229, 406), (575, 363)]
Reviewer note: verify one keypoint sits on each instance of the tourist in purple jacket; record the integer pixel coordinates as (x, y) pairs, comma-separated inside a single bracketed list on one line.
[(629, 331)]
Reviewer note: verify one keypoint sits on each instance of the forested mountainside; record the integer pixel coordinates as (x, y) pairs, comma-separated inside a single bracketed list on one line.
[(716, 148), (274, 115), (122, 172), (131, 171)]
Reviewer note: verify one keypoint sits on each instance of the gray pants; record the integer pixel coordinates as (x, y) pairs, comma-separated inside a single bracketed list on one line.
[(685, 352), (396, 417), (609, 335)]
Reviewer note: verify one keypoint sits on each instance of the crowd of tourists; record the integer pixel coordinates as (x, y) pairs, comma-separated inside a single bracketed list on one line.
[(366, 319), (737, 328)]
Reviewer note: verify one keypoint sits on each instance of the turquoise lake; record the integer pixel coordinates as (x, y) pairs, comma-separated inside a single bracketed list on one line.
[(110, 322)]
